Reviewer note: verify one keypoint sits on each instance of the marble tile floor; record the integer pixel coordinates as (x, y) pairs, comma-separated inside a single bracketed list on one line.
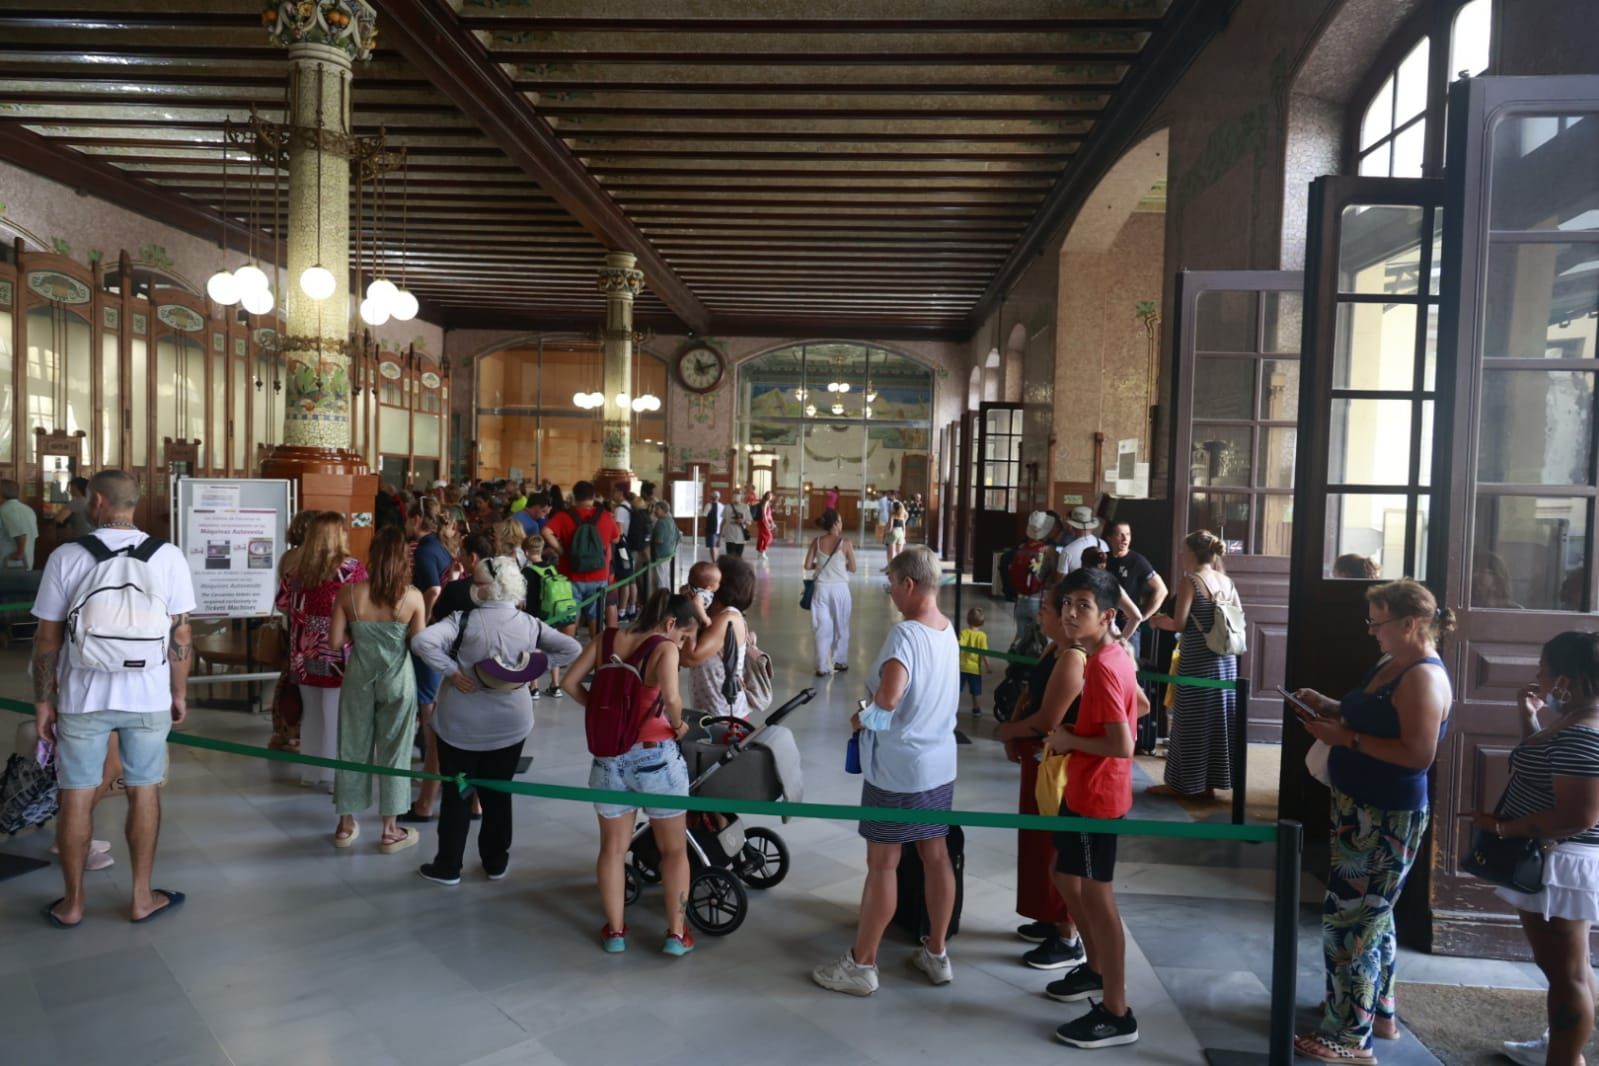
[(290, 951)]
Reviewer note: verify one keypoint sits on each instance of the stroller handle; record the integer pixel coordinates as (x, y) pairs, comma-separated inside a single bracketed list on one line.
[(804, 696)]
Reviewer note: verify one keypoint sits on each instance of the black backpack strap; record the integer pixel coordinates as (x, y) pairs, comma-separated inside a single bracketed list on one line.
[(96, 547), (146, 549), (460, 633)]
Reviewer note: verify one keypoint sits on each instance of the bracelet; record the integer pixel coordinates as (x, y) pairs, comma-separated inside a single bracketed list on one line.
[(1499, 829)]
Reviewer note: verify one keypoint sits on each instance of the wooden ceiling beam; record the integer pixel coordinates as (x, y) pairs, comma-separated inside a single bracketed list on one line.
[(900, 178), (766, 60), (429, 35), (865, 114), (1187, 28), (612, 25), (760, 155), (817, 136), (80, 21), (919, 89)]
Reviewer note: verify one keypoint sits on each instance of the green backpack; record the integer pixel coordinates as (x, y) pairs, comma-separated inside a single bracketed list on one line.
[(555, 602), (588, 550)]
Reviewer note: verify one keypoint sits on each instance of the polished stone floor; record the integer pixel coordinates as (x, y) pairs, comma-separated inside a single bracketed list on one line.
[(291, 952)]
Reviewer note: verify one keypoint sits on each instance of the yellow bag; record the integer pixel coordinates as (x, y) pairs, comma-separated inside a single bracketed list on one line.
[(1050, 789)]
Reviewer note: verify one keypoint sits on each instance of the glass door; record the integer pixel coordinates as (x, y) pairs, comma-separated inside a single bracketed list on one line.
[(1518, 462), (1237, 403)]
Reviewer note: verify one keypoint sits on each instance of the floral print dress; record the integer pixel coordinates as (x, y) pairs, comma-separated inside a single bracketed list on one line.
[(312, 661)]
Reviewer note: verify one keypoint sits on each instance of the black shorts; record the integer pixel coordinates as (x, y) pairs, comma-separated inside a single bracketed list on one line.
[(1089, 855)]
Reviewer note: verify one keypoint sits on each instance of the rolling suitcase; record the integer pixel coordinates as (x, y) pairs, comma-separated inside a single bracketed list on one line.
[(911, 912)]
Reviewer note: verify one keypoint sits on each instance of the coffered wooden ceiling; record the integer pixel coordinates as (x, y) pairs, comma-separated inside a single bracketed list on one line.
[(877, 167)]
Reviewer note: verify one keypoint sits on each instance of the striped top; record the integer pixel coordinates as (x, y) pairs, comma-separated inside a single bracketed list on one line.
[(1569, 752)]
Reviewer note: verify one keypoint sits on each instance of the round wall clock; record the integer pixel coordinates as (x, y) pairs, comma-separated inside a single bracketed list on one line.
[(700, 367)]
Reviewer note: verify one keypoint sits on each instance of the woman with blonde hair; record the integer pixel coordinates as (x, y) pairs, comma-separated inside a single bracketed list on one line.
[(1199, 751), (1384, 735), (508, 538), (310, 584)]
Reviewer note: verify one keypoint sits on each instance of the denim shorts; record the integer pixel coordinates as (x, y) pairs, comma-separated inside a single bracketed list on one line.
[(582, 590), (972, 683), (660, 770), (81, 741), (427, 682)]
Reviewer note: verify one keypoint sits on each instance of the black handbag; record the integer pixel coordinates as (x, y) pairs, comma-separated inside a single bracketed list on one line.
[(806, 593), (1515, 863)]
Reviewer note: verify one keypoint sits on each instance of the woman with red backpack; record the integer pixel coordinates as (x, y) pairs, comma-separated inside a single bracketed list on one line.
[(633, 714)]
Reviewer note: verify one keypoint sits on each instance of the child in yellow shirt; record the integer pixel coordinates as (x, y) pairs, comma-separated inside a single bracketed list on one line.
[(974, 666)]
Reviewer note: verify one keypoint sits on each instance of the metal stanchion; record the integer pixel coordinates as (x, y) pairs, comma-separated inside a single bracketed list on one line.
[(1285, 943), (1284, 959), (1240, 749)]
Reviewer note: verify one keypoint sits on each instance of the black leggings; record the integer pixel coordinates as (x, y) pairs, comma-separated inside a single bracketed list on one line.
[(455, 813)]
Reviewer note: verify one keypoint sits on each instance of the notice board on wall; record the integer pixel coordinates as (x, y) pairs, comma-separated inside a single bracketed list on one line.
[(232, 532)]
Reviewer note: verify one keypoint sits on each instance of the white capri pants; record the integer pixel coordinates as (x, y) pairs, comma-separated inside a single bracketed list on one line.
[(830, 608), (319, 731)]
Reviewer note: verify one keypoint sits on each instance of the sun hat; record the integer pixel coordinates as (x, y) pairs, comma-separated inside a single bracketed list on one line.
[(1083, 518), (501, 675), (1039, 525), (441, 484)]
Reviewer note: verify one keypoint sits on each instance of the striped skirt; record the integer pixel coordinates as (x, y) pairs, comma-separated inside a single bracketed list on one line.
[(941, 798)]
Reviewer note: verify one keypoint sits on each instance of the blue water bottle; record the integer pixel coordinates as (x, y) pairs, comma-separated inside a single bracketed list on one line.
[(852, 754)]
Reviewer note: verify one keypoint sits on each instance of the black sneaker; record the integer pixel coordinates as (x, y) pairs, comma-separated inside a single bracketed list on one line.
[(1078, 984), (1055, 954), (432, 872), (1036, 932), (1099, 1028)]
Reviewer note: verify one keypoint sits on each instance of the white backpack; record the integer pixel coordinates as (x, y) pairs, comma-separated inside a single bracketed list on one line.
[(117, 622)]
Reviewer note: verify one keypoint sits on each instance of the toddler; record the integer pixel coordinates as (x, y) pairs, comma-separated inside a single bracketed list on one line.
[(973, 665)]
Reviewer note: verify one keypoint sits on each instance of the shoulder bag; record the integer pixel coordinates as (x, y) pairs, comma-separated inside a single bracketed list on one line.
[(1227, 628), (1515, 863)]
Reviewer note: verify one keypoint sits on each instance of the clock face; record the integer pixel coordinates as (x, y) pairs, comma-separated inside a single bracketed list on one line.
[(700, 368)]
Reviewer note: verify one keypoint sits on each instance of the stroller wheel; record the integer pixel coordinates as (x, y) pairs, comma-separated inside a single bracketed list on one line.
[(717, 902), (632, 888), (764, 861), (646, 873)]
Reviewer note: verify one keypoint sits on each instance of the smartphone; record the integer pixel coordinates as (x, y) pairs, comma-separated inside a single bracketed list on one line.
[(1303, 709)]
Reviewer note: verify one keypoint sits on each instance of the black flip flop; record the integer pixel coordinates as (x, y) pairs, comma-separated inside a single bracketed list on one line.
[(50, 916), (174, 901)]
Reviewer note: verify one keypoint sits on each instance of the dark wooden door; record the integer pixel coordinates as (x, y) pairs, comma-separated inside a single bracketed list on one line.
[(995, 430), (1518, 457), (1237, 404), (1364, 504)]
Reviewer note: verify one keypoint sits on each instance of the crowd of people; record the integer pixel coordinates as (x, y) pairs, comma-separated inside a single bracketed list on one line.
[(467, 602)]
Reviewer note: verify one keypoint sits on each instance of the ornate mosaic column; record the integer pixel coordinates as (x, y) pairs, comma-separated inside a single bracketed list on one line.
[(323, 38), (620, 281)]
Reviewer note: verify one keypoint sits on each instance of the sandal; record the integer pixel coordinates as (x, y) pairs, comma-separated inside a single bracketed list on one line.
[(1325, 1049), (408, 838), (345, 841)]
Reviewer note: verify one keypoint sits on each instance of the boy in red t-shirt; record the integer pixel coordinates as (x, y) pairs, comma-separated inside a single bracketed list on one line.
[(1099, 784), (586, 584)]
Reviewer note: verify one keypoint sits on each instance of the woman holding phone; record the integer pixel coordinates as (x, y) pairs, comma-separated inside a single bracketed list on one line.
[(1384, 737)]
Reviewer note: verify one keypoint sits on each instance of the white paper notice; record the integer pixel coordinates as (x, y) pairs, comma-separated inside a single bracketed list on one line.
[(218, 497), (233, 556)]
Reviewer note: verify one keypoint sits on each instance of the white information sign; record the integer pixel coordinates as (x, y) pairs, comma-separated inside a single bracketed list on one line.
[(232, 532)]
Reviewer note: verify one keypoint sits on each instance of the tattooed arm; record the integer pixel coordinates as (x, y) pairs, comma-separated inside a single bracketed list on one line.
[(180, 653), (46, 684)]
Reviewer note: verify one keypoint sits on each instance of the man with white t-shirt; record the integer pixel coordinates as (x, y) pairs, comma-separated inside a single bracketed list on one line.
[(79, 708), (1080, 526)]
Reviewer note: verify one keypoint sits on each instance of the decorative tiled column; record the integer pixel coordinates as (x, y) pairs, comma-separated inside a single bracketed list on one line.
[(620, 280), (323, 38)]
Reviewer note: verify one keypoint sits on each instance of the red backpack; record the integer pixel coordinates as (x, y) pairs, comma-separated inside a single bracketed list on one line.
[(1026, 571), (617, 706)]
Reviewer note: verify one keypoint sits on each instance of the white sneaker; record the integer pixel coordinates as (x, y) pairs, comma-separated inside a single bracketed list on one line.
[(1528, 1052), (936, 967), (847, 976)]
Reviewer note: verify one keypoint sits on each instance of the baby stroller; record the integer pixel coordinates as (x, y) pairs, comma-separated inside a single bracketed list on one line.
[(1008, 691), (728, 758)]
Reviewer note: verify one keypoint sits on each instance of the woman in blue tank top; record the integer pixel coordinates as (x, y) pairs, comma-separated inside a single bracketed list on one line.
[(1384, 736)]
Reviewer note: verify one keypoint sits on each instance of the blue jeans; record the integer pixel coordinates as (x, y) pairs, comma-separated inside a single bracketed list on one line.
[(582, 590), (82, 739), (660, 770)]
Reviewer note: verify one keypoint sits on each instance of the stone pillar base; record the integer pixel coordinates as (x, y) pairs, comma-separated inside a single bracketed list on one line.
[(330, 479), (605, 480)]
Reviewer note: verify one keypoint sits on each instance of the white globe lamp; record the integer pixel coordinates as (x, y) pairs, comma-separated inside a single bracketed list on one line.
[(404, 307), (373, 313), (317, 282), (250, 278), (223, 288), (258, 301)]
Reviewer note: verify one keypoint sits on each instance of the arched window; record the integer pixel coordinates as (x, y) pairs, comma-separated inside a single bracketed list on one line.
[(1398, 130)]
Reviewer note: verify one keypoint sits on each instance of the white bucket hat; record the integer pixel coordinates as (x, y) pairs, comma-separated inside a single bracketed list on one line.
[(1083, 518)]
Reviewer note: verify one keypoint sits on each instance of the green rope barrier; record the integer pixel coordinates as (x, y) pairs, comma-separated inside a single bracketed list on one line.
[(15, 608), (625, 581), (1143, 675), (1256, 834)]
